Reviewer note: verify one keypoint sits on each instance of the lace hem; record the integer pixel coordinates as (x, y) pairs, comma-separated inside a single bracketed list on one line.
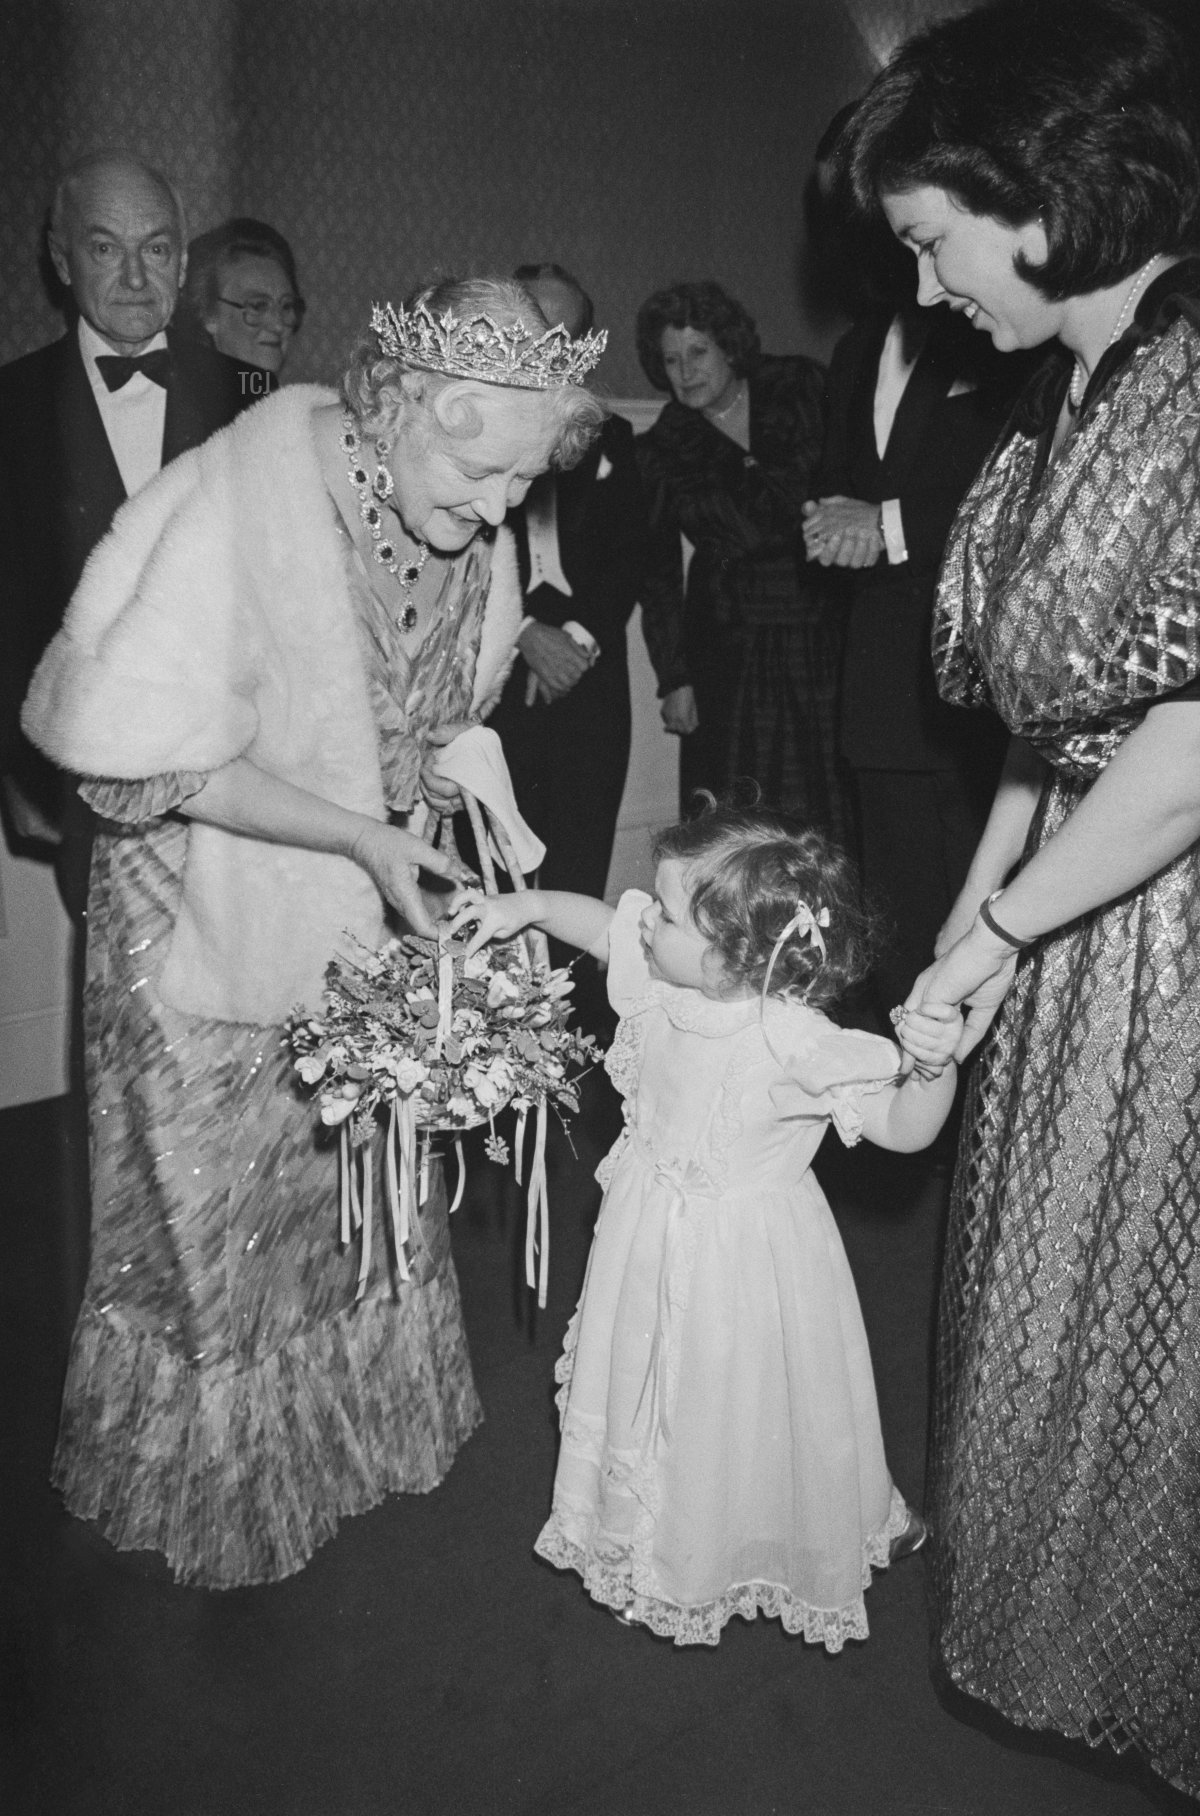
[(237, 1478), (564, 1368), (610, 1581)]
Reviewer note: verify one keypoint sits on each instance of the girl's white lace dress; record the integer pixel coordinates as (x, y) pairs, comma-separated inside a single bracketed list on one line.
[(721, 1450)]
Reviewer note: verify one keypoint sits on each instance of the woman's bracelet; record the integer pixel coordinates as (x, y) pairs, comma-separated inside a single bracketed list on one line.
[(993, 926)]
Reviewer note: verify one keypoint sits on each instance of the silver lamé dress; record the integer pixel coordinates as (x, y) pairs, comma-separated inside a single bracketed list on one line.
[(227, 1400), (1066, 1455)]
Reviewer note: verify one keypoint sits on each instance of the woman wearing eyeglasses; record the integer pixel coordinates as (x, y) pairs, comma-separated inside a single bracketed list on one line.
[(242, 295)]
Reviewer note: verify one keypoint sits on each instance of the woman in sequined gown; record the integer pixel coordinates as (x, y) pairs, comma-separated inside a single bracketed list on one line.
[(1037, 161), (255, 706)]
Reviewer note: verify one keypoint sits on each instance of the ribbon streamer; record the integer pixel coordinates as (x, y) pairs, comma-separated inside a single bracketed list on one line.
[(519, 1145), (343, 1187), (537, 1225), (684, 1180), (462, 1175), (397, 1199), (488, 869), (364, 1266), (407, 1163), (807, 928), (445, 998)]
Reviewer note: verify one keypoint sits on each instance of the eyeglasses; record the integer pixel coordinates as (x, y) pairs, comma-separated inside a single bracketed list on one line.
[(256, 309)]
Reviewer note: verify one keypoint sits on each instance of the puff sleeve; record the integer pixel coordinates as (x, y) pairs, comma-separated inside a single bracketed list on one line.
[(829, 1070), (629, 979)]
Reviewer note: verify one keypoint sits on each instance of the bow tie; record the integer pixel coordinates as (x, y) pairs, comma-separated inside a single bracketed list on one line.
[(116, 369)]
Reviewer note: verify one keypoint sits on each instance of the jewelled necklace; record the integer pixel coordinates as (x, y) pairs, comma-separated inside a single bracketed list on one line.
[(372, 494), (1079, 377)]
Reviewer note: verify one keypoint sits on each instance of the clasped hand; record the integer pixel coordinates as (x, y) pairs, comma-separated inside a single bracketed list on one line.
[(679, 714), (557, 661), (929, 1036), (842, 532), (970, 972)]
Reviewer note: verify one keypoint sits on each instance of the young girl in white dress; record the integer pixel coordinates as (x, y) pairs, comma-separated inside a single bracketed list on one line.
[(721, 1451)]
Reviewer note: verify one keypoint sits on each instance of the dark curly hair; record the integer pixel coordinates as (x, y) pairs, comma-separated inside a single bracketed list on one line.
[(746, 871), (1079, 113), (708, 309)]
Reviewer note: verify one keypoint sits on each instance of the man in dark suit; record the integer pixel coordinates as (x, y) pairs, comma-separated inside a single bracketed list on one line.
[(84, 423), (565, 715), (916, 402)]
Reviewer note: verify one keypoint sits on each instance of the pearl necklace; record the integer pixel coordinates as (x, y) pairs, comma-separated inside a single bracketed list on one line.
[(739, 397), (372, 493), (1079, 377)]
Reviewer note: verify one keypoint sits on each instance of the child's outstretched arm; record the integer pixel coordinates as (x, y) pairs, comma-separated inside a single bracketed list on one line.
[(907, 1114), (577, 920)]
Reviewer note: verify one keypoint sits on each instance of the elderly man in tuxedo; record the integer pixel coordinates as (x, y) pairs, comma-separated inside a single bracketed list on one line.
[(84, 423)]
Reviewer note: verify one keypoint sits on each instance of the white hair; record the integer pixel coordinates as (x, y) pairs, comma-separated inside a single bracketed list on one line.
[(63, 200)]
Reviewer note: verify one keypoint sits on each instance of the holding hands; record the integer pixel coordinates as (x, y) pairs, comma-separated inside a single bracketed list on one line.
[(929, 1036), (975, 966), (965, 971)]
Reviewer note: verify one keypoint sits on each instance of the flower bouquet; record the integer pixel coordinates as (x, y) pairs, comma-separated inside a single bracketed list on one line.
[(424, 1039)]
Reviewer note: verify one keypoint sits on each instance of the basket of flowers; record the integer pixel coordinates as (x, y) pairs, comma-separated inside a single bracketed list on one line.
[(421, 1040)]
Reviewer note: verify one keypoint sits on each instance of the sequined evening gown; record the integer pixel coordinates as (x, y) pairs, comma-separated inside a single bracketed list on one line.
[(1065, 1492), (227, 1401)]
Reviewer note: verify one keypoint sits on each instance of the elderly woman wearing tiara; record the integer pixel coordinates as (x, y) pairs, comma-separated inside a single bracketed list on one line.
[(254, 681)]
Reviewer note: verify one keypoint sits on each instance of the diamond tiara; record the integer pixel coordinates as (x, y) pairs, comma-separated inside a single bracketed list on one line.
[(477, 347)]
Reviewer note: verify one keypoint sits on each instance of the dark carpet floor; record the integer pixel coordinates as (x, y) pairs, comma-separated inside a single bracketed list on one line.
[(425, 1662)]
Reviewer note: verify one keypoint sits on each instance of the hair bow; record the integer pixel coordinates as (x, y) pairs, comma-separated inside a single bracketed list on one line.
[(807, 926)]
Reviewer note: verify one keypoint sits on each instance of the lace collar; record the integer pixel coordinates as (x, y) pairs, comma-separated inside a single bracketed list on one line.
[(695, 1013)]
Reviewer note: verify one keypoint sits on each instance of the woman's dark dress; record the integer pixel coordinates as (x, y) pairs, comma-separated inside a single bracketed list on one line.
[(751, 631)]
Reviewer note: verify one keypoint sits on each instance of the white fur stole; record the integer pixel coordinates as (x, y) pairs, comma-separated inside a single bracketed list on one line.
[(214, 622)]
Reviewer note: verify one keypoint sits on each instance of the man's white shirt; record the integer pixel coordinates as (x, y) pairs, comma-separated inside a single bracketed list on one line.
[(133, 417), (895, 370)]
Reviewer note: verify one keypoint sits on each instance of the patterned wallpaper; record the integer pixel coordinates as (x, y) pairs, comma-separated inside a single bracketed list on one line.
[(78, 75), (633, 143), (636, 141), (31, 104)]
